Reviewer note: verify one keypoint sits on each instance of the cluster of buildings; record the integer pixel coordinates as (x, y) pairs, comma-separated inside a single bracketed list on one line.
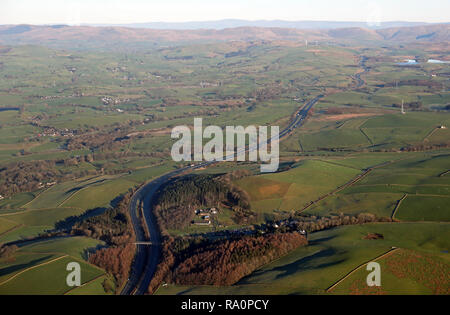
[(51, 97), (55, 97), (204, 216), (205, 84), (113, 101), (289, 223), (117, 69), (71, 69), (53, 132), (50, 184)]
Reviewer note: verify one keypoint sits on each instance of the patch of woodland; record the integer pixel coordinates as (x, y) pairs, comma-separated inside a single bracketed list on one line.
[(176, 202), (220, 262), (114, 227), (27, 176)]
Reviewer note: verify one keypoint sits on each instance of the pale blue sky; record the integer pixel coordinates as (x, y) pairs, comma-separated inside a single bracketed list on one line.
[(133, 11)]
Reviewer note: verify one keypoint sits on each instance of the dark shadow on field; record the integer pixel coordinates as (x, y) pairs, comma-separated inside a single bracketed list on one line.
[(187, 291), (116, 201), (302, 264), (69, 222), (75, 189), (4, 109), (285, 166), (320, 240), (11, 269), (30, 241)]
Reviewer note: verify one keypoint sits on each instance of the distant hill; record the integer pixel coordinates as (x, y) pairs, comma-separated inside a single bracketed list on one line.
[(439, 33), (108, 37), (355, 33), (233, 23)]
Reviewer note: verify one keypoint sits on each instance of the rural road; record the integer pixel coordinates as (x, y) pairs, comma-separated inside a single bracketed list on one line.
[(147, 256)]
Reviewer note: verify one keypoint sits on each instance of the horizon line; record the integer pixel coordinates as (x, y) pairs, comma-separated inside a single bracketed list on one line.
[(223, 20)]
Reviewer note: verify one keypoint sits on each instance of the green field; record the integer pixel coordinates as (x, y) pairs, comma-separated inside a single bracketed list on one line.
[(293, 189), (94, 287), (59, 194), (81, 127), (416, 174), (40, 268), (403, 272), (423, 208), (330, 256)]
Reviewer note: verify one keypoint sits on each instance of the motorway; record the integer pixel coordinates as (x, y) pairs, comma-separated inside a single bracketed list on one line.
[(147, 256)]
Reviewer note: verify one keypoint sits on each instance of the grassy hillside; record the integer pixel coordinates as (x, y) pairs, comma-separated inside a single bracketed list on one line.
[(331, 255), (80, 127), (40, 268), (292, 190)]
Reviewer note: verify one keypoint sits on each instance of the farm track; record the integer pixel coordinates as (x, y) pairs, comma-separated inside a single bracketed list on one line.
[(90, 185), (22, 211), (445, 173), (390, 252), (33, 267), (349, 183), (346, 185), (398, 206), (366, 136), (84, 284), (340, 165), (35, 197), (430, 134), (406, 185), (12, 229)]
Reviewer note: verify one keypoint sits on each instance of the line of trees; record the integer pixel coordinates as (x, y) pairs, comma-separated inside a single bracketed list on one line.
[(425, 147), (313, 223), (105, 141), (29, 176)]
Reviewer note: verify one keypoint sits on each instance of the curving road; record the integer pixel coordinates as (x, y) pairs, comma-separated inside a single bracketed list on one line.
[(147, 255)]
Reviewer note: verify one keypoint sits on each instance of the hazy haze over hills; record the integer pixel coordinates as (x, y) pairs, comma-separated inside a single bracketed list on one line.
[(81, 37), (233, 23)]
